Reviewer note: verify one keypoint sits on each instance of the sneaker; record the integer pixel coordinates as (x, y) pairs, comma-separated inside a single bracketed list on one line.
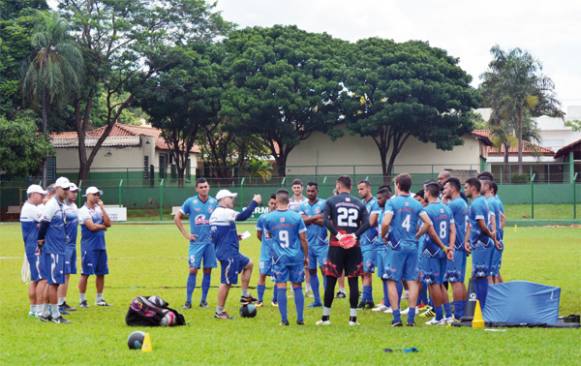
[(223, 315), (405, 311), (60, 320), (284, 323), (203, 304), (433, 322), (67, 307), (247, 299), (259, 304), (411, 324), (274, 304), (45, 318), (353, 321), (102, 302), (315, 305), (187, 305), (341, 295), (379, 308), (323, 322), (389, 310), (448, 321), (396, 324), (300, 322), (84, 304)]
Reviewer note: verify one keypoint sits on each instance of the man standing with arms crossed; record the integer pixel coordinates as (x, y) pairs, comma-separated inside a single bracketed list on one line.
[(71, 229)]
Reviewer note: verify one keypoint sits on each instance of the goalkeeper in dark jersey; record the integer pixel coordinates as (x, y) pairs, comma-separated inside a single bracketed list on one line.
[(347, 219)]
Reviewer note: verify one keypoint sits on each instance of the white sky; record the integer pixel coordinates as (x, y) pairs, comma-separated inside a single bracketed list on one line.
[(467, 29)]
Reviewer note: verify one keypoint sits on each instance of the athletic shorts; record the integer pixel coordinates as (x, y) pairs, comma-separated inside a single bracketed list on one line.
[(404, 264), (317, 255), (383, 258), (341, 260), (482, 259), (52, 268), (70, 260), (33, 257), (434, 270), (456, 269), (496, 261), (199, 252), (285, 271), (94, 262), (231, 267)]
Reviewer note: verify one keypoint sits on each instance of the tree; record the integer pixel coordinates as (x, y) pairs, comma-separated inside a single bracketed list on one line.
[(283, 85), (21, 148), (125, 43), (514, 86), (574, 124), (55, 72), (395, 91)]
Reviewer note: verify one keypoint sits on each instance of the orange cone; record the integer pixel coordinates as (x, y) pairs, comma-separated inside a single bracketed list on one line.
[(478, 321), (147, 345)]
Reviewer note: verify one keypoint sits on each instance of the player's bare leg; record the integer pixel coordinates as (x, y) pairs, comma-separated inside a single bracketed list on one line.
[(245, 282), (83, 290), (62, 290), (341, 294), (222, 297)]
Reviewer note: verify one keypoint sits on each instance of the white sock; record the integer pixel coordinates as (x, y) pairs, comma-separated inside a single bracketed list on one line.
[(219, 309), (82, 296), (32, 308), (61, 301), (342, 289), (244, 292), (326, 311), (352, 312), (54, 311), (45, 310), (99, 296)]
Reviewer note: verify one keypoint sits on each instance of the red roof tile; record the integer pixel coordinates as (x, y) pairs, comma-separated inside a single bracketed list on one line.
[(528, 148)]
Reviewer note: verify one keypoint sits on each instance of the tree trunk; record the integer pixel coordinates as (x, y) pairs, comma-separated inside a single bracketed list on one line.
[(45, 133), (519, 126), (505, 168), (281, 164)]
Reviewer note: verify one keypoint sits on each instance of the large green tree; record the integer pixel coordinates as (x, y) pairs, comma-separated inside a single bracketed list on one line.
[(514, 87), (283, 84), (399, 90), (125, 43)]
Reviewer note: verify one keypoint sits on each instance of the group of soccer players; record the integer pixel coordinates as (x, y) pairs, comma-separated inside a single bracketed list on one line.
[(419, 242), (49, 221)]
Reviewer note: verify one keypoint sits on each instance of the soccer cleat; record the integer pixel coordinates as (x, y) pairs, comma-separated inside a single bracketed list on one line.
[(67, 307), (259, 304), (323, 322), (223, 315), (433, 322), (389, 310), (428, 313), (187, 305), (396, 324), (45, 318), (102, 302), (448, 321), (247, 300), (84, 304), (411, 324), (300, 322), (60, 320), (379, 308), (341, 294), (284, 323), (405, 311), (63, 311), (203, 304), (353, 321), (274, 303), (315, 305)]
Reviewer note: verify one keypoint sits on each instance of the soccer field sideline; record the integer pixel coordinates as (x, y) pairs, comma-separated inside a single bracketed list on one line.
[(553, 260)]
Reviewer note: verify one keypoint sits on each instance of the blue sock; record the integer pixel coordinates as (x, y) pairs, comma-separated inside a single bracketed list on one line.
[(281, 296), (438, 311), (365, 294), (399, 293), (299, 302), (458, 309), (411, 315), (190, 287), (315, 287), (260, 290), (448, 310), (481, 288), (396, 316), (370, 294), (385, 295), (423, 296), (206, 280)]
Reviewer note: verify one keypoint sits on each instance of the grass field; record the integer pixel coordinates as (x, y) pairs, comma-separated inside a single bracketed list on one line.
[(151, 259)]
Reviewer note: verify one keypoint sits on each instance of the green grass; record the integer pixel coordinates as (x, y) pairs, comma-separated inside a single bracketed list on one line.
[(151, 259)]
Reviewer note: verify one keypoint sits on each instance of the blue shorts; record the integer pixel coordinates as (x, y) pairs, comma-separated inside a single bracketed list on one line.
[(434, 270), (404, 264), (481, 259), (231, 267), (383, 259), (70, 260), (52, 268), (33, 263), (94, 262), (317, 255), (456, 269), (285, 271), (496, 261), (369, 253), (199, 251)]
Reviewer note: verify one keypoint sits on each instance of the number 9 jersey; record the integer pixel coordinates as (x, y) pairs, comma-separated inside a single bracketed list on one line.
[(283, 228)]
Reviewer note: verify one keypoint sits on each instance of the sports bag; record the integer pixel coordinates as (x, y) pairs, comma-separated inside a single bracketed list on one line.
[(152, 311)]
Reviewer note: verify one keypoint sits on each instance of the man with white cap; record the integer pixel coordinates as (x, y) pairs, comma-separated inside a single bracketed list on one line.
[(94, 222), (52, 240), (30, 216), (224, 235), (71, 228)]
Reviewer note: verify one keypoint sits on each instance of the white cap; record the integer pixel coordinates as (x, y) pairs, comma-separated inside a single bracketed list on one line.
[(73, 187), (35, 188), (93, 190), (62, 182), (223, 193)]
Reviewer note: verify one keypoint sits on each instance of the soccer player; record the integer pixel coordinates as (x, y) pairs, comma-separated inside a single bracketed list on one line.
[(94, 222), (494, 205), (312, 213), (265, 264), (198, 208), (287, 231), (497, 255), (436, 256), (381, 251), (456, 271), (481, 238), (225, 238), (30, 217), (52, 240), (71, 229), (297, 200), (367, 245), (402, 214), (347, 219)]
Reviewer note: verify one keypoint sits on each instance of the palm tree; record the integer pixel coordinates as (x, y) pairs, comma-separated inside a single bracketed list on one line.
[(54, 74)]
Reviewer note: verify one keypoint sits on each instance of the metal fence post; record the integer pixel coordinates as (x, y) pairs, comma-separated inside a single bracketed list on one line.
[(80, 194), (533, 196), (161, 199), (241, 200), (119, 190), (573, 183)]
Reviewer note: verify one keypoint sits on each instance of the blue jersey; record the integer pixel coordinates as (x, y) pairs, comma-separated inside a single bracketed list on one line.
[(368, 237), (316, 234), (478, 211), (55, 238), (379, 211), (459, 209), (499, 229), (30, 216), (493, 206), (91, 240), (406, 213), (442, 218), (284, 228), (265, 242), (71, 226), (199, 213), (223, 230)]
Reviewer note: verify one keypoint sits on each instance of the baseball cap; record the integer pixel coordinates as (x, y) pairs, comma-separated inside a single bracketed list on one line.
[(93, 190), (62, 182), (223, 193), (35, 188), (73, 187)]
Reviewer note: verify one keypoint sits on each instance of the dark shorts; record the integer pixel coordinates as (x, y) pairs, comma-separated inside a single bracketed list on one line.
[(341, 260), (232, 266), (94, 262)]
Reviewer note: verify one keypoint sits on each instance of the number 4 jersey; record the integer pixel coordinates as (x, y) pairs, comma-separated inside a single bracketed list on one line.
[(346, 214)]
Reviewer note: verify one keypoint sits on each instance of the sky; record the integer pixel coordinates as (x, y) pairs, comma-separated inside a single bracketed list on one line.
[(549, 30)]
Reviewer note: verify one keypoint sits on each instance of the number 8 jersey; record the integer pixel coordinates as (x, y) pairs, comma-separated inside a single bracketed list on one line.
[(347, 214)]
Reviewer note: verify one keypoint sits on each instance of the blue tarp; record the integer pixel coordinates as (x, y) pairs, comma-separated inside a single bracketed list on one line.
[(522, 302)]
